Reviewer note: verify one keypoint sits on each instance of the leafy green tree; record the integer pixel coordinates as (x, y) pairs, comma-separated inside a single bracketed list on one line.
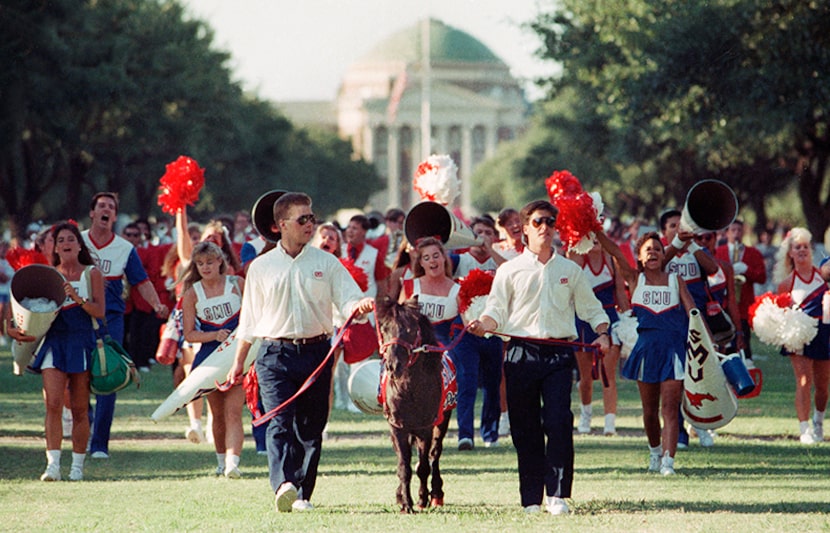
[(728, 89)]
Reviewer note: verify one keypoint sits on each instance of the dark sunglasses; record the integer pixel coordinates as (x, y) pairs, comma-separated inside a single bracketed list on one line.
[(302, 220), (538, 221)]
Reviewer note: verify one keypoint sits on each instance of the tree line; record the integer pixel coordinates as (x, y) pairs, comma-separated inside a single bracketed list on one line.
[(101, 95), (654, 96)]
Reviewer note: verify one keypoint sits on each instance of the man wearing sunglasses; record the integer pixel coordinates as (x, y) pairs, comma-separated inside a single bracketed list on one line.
[(287, 303), (534, 300)]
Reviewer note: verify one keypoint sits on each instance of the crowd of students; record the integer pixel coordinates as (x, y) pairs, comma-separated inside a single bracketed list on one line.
[(544, 298)]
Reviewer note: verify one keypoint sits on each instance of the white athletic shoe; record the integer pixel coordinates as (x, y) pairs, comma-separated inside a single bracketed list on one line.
[(100, 455), (667, 467), (194, 435), (818, 430), (302, 505), (808, 437), (76, 473), (52, 473), (233, 473), (654, 462), (584, 426), (286, 496), (706, 436), (220, 471), (556, 506), (533, 509)]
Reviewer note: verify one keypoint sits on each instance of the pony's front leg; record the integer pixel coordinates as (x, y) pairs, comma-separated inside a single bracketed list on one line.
[(438, 434), (400, 440), (423, 440)]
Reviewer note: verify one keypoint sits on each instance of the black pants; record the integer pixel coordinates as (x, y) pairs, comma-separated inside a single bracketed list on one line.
[(143, 335), (538, 379)]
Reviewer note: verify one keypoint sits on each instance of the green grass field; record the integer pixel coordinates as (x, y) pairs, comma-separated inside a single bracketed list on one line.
[(758, 477)]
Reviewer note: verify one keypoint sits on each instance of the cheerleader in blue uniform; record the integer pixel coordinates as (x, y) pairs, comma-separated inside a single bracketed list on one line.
[(797, 275), (210, 313), (64, 356), (609, 288), (661, 303)]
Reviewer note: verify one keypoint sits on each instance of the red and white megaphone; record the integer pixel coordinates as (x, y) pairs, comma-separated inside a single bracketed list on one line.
[(34, 282), (431, 219), (708, 400)]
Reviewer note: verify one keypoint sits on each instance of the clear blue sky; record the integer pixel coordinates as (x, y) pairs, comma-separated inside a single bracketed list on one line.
[(299, 50)]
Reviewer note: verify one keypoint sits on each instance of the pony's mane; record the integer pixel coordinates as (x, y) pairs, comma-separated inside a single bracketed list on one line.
[(405, 313)]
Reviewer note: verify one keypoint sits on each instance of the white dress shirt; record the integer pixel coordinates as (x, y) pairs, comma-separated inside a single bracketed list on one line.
[(292, 297), (532, 299)]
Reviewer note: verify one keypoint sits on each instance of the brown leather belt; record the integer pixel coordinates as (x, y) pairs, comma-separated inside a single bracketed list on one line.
[(310, 340)]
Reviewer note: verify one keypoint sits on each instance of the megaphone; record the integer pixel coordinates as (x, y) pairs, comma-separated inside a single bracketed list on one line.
[(711, 205), (708, 400), (34, 281), (364, 380), (431, 219)]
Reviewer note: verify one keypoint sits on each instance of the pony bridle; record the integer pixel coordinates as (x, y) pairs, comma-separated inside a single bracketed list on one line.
[(414, 348)]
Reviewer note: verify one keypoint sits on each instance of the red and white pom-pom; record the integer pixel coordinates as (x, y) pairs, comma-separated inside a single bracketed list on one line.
[(436, 179), (357, 273), (19, 257), (798, 329), (180, 185), (474, 309), (578, 215), (778, 322), (476, 283), (626, 330)]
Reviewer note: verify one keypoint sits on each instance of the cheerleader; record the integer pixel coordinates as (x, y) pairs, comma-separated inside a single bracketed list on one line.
[(797, 276), (214, 298)]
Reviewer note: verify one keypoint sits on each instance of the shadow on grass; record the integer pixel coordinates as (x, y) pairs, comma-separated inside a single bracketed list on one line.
[(600, 507)]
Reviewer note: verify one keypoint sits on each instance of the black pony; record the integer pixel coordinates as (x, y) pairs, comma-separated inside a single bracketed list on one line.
[(413, 399)]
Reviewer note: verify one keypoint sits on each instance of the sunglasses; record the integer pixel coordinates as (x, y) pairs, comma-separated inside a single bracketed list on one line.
[(302, 220), (538, 221)]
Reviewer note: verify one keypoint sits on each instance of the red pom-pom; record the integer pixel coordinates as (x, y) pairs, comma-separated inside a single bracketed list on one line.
[(757, 303), (180, 185), (477, 283), (577, 214), (357, 273), (19, 257), (784, 300)]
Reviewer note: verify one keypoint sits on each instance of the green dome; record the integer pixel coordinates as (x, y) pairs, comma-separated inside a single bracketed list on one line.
[(447, 44)]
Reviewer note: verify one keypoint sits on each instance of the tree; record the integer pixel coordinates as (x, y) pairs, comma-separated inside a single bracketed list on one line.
[(730, 89)]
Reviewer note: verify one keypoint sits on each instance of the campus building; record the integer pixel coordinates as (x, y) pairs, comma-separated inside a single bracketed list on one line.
[(473, 104)]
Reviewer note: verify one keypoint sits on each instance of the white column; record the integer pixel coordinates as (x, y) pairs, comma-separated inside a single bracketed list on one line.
[(466, 169), (392, 184), (491, 139), (368, 142)]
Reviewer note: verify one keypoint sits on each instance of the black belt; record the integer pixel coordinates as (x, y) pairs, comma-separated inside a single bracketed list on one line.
[(309, 340)]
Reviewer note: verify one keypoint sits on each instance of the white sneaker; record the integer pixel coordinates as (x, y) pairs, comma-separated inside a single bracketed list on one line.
[(302, 505), (533, 509), (286, 496), (706, 436), (504, 425), (233, 473), (220, 471), (556, 506), (76, 473), (654, 462), (808, 437), (52, 473), (667, 466), (194, 435), (491, 444), (465, 444), (584, 426), (818, 430), (100, 455), (66, 422)]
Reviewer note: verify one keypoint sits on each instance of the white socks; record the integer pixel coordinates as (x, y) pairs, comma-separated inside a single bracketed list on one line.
[(220, 460), (656, 450), (587, 410), (78, 460), (53, 457), (818, 417)]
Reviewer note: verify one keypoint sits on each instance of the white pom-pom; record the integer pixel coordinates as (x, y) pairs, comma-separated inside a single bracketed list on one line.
[(798, 329), (584, 245), (626, 329), (767, 322), (599, 206), (437, 179), (476, 308)]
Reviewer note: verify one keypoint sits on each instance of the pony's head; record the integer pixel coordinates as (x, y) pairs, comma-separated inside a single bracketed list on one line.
[(402, 330)]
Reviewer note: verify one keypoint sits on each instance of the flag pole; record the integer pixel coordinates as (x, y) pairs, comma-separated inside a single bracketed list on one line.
[(426, 74)]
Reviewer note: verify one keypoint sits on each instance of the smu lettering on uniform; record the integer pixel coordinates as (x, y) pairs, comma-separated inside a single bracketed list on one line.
[(216, 313), (432, 309), (685, 270), (657, 297)]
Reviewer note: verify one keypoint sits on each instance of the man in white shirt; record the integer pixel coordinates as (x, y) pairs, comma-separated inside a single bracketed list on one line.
[(288, 298), (534, 296)]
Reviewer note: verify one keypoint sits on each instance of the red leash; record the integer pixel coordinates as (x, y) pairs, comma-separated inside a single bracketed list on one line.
[(308, 382)]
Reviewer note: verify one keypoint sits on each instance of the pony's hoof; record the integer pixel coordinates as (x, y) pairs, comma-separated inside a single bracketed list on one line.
[(437, 502)]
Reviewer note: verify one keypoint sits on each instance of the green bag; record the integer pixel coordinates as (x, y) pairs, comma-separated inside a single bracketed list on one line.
[(112, 368)]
